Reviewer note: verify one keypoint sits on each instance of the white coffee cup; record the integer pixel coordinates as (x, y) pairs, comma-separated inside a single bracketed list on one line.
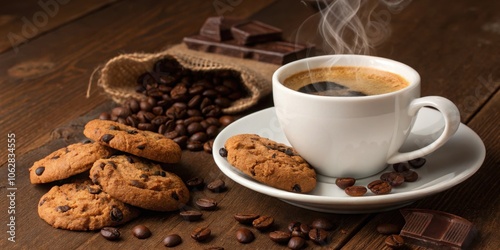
[(355, 136)]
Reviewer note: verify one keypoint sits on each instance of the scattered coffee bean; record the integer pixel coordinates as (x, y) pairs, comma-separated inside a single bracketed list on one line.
[(410, 175), (201, 234), (195, 183), (243, 235), (296, 243), (141, 232), (417, 163), (394, 241), (345, 182), (172, 240), (379, 187), (214, 248), (355, 190), (294, 225), (318, 236), (217, 186), (263, 222), (388, 228), (191, 215), (400, 167), (206, 204), (393, 178), (110, 233), (208, 146), (322, 223), (246, 218), (280, 236)]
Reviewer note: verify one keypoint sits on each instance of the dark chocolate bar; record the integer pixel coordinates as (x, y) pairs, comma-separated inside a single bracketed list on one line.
[(219, 28), (252, 32), (436, 229), (276, 52)]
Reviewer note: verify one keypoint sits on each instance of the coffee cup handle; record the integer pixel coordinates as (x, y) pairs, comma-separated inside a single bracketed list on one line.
[(451, 120)]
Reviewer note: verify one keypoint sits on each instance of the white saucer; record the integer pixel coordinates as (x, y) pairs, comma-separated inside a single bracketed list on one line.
[(451, 164)]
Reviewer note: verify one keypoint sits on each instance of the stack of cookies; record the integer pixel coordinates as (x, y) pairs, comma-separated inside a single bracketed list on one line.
[(123, 165)]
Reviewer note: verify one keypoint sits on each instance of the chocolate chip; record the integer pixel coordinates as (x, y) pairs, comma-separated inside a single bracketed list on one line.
[(132, 132), (141, 147), (116, 214), (223, 152), (94, 190), (296, 188), (63, 209), (175, 196), (138, 184), (39, 170), (107, 138)]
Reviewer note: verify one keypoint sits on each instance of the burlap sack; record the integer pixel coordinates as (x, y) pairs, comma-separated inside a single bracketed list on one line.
[(118, 77)]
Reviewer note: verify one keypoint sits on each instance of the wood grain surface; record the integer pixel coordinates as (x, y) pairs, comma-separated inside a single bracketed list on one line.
[(455, 46)]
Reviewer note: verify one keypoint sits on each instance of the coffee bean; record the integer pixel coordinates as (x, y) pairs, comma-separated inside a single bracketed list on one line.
[(120, 112), (400, 167), (243, 235), (199, 137), (318, 236), (294, 225), (141, 232), (172, 240), (394, 241), (39, 170), (395, 179), (245, 218), (345, 182), (201, 233), (206, 204), (355, 190), (107, 138), (195, 183), (298, 233), (105, 116), (388, 228), (110, 233), (322, 223), (379, 187), (280, 236), (194, 145), (410, 176), (417, 163), (208, 146), (226, 120), (217, 186), (263, 222), (296, 243), (191, 215)]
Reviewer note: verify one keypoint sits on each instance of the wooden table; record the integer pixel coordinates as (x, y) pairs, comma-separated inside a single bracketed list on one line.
[(49, 51)]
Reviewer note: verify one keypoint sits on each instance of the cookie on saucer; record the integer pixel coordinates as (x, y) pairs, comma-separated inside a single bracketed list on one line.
[(269, 162)]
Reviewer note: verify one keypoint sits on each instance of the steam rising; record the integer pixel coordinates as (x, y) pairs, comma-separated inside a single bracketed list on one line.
[(349, 26)]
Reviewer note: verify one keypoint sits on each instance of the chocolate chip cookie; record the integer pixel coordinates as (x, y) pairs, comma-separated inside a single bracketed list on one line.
[(139, 182), (68, 161), (142, 143), (83, 206), (271, 163)]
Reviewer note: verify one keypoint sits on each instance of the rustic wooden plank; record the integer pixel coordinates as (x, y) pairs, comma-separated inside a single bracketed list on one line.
[(58, 66), (23, 21)]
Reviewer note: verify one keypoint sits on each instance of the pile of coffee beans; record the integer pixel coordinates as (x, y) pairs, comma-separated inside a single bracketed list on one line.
[(401, 173), (297, 233), (182, 104)]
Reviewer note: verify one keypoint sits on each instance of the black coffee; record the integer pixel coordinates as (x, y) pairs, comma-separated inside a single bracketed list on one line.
[(345, 81)]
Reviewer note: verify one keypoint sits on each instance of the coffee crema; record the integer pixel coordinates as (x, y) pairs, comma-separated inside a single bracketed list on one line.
[(345, 81)]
